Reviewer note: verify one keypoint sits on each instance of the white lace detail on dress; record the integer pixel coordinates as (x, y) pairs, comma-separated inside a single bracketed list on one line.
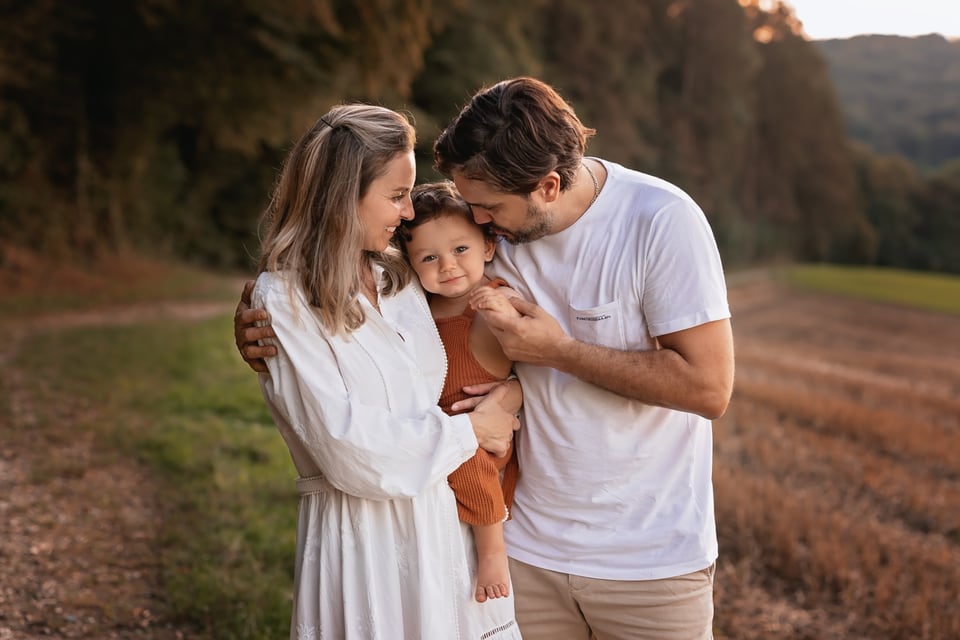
[(500, 629)]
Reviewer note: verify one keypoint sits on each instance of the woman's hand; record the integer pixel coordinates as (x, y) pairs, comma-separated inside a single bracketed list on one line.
[(492, 424), (511, 402), (247, 334)]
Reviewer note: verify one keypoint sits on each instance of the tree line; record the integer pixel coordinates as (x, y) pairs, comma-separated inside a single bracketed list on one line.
[(159, 125)]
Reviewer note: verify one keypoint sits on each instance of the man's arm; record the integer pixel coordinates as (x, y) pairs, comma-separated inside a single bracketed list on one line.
[(246, 333), (691, 371)]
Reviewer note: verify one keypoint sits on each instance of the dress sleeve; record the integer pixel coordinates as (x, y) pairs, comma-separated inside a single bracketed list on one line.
[(362, 448)]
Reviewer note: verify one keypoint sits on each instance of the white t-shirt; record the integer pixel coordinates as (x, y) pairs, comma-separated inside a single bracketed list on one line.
[(613, 488)]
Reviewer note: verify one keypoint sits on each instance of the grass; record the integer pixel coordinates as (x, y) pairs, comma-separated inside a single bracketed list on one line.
[(175, 397), (923, 290)]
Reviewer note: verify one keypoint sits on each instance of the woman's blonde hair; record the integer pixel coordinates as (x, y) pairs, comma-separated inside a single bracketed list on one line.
[(312, 225)]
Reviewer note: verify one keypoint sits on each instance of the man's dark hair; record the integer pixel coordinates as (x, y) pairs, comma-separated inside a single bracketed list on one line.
[(511, 135)]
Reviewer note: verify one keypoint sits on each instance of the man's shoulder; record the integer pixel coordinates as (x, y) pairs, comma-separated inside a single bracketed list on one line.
[(636, 181)]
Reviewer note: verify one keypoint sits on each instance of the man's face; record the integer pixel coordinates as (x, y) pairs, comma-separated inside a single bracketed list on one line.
[(517, 219)]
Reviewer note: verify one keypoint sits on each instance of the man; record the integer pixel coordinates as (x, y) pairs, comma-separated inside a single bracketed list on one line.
[(625, 354)]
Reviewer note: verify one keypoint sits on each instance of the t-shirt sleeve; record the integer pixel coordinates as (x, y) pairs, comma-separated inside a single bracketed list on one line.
[(683, 278)]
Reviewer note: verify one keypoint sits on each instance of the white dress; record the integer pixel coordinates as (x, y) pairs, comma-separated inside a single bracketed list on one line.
[(381, 553)]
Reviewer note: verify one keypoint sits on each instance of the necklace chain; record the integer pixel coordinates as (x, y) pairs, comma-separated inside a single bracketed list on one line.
[(596, 185)]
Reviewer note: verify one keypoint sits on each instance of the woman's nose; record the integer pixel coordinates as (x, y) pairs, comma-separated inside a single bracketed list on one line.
[(406, 211)]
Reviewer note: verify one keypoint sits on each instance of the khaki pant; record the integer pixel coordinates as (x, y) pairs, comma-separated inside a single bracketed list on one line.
[(552, 606)]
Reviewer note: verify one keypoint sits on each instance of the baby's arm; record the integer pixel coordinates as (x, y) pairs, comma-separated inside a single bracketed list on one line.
[(486, 348)]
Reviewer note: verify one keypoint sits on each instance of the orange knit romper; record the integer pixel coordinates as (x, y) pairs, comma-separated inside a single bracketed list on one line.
[(481, 497)]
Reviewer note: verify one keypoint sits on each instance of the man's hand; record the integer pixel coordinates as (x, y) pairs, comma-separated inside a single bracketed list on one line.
[(246, 333), (527, 333)]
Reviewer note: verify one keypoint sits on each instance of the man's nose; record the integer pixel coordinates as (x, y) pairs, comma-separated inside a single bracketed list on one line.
[(480, 216)]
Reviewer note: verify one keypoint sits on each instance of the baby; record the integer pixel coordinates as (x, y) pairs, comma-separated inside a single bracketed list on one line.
[(448, 251)]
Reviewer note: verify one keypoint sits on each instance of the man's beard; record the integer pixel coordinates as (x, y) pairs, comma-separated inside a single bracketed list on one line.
[(538, 224)]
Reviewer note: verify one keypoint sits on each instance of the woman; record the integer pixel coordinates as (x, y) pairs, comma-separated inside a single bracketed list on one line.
[(354, 389)]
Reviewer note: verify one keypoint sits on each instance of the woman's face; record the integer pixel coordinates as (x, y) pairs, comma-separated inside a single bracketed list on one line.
[(387, 202)]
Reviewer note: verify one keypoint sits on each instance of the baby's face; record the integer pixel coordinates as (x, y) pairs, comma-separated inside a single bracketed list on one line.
[(449, 253)]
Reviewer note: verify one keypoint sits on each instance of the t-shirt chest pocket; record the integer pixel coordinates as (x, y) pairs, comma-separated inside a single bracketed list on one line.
[(601, 325)]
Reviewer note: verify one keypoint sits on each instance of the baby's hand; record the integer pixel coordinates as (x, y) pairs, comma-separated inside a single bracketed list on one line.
[(495, 300)]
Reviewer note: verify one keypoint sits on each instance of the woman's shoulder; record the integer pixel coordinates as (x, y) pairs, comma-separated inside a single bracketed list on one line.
[(277, 288), (268, 279)]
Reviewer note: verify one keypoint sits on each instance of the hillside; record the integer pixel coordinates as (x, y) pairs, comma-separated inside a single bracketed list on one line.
[(900, 95)]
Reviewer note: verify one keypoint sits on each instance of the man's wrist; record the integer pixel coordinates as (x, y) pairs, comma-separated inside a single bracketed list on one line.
[(564, 354)]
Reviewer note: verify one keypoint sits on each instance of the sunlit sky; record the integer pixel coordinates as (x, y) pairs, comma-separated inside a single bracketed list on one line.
[(823, 19)]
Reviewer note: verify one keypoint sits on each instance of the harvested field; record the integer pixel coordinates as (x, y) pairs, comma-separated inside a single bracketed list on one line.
[(837, 470)]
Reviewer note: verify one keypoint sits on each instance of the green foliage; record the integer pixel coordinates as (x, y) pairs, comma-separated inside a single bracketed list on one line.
[(159, 127), (915, 217), (889, 186), (806, 179), (480, 43), (605, 59), (938, 231), (937, 292), (177, 398)]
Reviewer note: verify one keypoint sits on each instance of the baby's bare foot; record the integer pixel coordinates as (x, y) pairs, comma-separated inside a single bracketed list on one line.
[(493, 576)]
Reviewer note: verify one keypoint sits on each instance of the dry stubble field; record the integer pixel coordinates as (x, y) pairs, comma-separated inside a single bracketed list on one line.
[(837, 470)]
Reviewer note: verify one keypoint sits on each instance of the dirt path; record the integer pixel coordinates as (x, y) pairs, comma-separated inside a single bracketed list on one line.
[(76, 550)]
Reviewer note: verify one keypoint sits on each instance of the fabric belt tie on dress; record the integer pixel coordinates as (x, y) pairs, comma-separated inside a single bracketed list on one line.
[(312, 484)]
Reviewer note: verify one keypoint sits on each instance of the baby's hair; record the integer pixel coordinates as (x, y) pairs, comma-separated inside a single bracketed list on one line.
[(433, 200)]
